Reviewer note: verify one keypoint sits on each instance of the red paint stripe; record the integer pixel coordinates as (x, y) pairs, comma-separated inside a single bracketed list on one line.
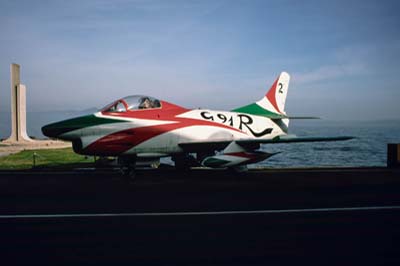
[(271, 95), (124, 140)]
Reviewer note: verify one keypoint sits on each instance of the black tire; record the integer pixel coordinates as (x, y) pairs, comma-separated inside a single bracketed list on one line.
[(127, 167), (182, 162)]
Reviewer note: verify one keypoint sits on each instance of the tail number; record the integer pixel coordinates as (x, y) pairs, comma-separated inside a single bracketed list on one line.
[(245, 121), (280, 89)]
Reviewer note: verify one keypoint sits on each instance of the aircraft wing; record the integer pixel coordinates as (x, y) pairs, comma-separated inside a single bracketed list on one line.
[(204, 146), (253, 144)]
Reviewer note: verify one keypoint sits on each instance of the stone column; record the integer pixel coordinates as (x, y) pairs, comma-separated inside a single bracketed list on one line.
[(18, 107)]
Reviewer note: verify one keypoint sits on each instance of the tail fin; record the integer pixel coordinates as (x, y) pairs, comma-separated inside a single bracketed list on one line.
[(272, 105)]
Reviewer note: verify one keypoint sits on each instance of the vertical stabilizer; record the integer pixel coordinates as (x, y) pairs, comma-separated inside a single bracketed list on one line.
[(275, 98), (273, 103)]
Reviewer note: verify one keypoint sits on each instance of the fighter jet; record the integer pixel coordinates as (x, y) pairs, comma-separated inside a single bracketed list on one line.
[(141, 127)]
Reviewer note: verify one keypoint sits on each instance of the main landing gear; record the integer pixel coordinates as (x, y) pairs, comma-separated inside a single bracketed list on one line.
[(127, 166), (183, 162)]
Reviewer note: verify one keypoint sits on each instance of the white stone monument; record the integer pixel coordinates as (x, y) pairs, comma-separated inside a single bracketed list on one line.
[(18, 107)]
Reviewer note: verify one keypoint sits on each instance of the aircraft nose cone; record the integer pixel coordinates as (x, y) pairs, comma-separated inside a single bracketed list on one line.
[(47, 131), (56, 130), (53, 130)]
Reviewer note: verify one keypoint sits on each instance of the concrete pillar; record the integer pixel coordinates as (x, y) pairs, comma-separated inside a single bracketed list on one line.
[(18, 107)]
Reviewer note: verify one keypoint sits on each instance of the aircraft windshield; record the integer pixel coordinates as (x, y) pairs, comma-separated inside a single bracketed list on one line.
[(141, 102), (135, 102), (118, 107)]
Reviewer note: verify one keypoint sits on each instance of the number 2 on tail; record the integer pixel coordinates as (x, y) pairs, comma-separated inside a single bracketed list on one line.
[(280, 90)]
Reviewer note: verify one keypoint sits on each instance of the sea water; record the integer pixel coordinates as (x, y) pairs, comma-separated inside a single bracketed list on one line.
[(368, 148)]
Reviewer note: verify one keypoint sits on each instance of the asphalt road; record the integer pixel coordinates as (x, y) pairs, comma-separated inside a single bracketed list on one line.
[(336, 217)]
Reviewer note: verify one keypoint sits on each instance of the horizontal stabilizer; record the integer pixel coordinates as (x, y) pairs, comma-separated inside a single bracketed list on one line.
[(283, 116), (292, 139), (303, 117)]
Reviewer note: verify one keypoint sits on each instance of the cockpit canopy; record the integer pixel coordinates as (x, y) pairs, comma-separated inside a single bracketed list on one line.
[(132, 103)]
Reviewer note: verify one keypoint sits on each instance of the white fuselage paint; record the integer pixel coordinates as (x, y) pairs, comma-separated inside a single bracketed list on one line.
[(235, 126)]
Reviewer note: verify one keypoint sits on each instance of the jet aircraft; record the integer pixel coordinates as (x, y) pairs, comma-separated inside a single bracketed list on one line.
[(141, 127)]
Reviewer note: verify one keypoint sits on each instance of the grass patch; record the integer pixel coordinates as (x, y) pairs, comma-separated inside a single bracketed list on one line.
[(57, 158)]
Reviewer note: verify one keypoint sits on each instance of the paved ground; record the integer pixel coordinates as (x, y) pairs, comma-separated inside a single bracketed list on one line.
[(346, 216)]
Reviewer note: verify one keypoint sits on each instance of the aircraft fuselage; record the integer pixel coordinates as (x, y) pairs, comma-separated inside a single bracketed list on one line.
[(157, 133)]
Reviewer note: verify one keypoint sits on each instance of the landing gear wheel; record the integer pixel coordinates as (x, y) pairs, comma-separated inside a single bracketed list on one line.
[(182, 162), (127, 167), (128, 172)]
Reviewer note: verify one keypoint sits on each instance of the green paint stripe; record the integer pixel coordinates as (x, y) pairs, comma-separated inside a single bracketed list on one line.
[(65, 126), (88, 121), (255, 109)]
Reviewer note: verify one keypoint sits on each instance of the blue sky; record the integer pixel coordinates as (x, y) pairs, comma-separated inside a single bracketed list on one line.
[(343, 56)]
